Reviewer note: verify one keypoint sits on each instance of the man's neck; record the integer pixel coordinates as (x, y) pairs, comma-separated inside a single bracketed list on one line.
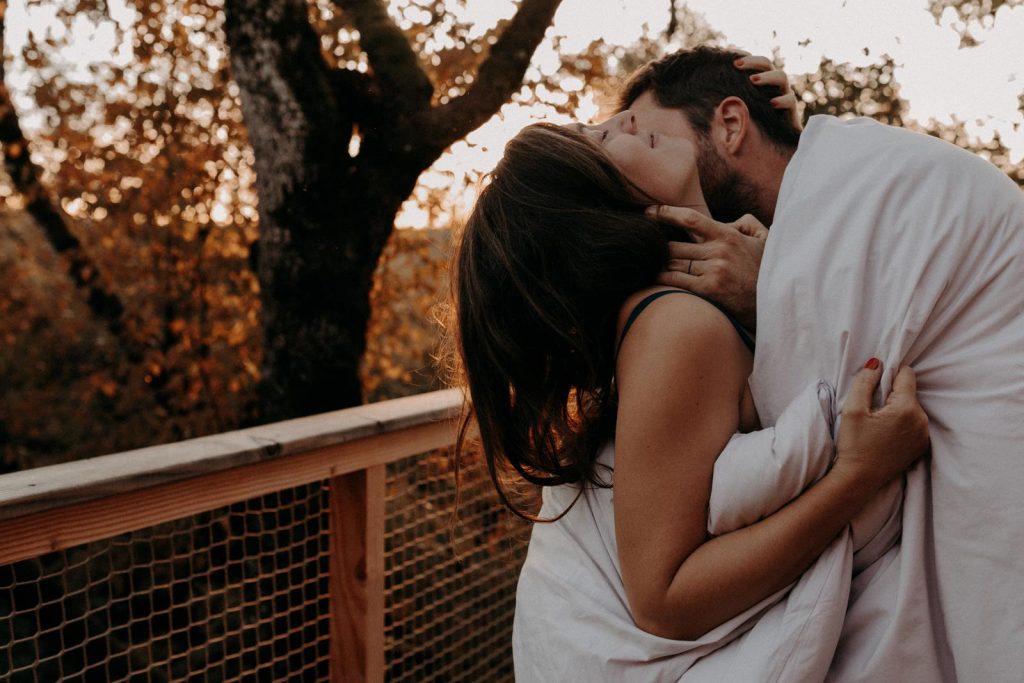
[(765, 173)]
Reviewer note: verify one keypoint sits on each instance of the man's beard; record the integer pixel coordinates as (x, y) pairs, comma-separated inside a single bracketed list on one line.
[(728, 194)]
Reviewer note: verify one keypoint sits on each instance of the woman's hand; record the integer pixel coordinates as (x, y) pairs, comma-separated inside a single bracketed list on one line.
[(876, 446), (766, 74)]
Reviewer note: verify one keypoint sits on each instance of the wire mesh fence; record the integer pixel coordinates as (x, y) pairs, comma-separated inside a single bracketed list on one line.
[(449, 587), (242, 592), (242, 589)]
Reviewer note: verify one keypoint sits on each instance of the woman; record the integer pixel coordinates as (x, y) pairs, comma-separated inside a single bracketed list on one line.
[(566, 346)]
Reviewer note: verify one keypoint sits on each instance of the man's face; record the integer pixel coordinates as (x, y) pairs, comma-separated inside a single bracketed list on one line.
[(652, 116), (727, 193)]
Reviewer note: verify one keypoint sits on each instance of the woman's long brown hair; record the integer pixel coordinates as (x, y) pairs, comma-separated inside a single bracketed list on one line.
[(555, 244)]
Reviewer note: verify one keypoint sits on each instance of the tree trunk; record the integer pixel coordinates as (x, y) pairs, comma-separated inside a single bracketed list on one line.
[(326, 214), (314, 276)]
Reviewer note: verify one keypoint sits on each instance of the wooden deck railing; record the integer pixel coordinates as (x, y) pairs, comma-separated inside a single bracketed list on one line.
[(189, 528)]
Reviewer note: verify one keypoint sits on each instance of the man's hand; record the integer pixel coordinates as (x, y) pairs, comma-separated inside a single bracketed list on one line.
[(722, 265)]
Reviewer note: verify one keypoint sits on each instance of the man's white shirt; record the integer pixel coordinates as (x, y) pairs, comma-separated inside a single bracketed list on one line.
[(894, 244)]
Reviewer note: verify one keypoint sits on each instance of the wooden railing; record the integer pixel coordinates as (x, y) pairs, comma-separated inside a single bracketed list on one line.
[(48, 511)]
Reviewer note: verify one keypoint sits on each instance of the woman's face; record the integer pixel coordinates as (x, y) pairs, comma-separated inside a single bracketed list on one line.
[(662, 167)]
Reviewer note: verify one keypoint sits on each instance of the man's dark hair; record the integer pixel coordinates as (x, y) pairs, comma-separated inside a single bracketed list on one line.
[(696, 81)]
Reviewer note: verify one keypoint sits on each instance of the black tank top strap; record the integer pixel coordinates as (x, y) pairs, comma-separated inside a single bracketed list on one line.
[(650, 298)]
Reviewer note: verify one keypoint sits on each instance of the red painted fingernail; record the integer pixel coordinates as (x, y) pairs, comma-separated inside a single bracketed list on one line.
[(738, 62), (872, 364), (755, 78)]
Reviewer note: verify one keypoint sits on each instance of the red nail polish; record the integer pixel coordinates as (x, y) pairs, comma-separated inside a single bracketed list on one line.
[(872, 364), (755, 79)]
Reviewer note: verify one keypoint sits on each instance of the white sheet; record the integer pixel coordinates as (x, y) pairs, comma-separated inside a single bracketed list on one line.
[(572, 619), (893, 244)]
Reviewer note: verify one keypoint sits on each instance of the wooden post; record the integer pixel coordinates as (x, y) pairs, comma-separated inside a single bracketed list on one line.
[(357, 576)]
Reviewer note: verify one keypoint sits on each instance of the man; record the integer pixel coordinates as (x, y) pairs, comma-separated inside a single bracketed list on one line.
[(885, 243)]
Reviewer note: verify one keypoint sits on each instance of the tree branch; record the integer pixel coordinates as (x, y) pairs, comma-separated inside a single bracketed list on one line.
[(360, 94), (498, 78), (356, 87), (391, 56), (25, 176)]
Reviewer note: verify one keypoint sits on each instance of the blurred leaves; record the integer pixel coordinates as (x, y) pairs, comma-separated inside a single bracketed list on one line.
[(148, 156), (147, 152), (970, 10), (403, 334), (970, 14), (841, 89)]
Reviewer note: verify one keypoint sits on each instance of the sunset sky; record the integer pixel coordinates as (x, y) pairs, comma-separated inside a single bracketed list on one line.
[(981, 86)]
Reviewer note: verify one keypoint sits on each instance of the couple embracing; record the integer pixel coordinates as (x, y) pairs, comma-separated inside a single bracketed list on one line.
[(792, 453)]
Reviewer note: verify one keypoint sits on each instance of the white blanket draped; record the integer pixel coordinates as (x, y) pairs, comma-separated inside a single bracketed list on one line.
[(572, 618), (885, 243), (893, 244)]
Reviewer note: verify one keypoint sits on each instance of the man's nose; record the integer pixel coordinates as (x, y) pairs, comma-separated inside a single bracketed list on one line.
[(623, 122), (626, 122)]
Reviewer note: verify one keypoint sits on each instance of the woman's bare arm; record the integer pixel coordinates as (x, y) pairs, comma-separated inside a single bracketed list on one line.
[(680, 377)]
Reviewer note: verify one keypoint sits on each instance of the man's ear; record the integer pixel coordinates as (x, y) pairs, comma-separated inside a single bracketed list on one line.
[(732, 125)]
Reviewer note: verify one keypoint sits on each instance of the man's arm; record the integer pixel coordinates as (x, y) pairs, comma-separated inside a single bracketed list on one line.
[(721, 265)]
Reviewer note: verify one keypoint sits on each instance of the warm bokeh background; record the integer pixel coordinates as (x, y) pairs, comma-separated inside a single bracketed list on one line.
[(198, 203)]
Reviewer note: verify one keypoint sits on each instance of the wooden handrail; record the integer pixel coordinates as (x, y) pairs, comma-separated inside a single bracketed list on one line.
[(59, 506), (44, 488)]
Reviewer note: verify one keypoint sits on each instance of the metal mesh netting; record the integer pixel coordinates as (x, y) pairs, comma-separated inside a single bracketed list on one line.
[(242, 589), (450, 591), (242, 592)]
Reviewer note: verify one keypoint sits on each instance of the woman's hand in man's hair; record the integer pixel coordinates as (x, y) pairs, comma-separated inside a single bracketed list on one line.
[(723, 262), (765, 74)]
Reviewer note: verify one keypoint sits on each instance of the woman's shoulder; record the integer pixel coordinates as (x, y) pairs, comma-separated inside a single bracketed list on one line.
[(678, 348), (657, 314)]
